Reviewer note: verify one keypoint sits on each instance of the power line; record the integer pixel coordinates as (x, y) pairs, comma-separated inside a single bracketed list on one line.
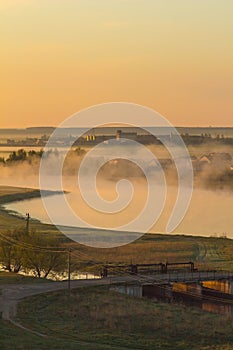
[(25, 245), (146, 279)]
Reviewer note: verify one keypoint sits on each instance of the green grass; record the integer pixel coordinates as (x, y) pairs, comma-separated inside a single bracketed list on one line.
[(15, 338), (100, 316)]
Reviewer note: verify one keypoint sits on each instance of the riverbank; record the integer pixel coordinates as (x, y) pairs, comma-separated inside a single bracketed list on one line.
[(207, 252), (10, 194), (10, 220)]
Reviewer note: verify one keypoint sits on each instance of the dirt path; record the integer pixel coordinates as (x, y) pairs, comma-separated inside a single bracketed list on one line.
[(11, 294)]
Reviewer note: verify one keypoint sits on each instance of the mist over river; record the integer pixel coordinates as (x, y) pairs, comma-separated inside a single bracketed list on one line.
[(209, 213)]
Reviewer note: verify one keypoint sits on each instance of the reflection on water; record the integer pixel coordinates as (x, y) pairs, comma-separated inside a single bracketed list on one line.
[(219, 308), (201, 219), (213, 296), (166, 293)]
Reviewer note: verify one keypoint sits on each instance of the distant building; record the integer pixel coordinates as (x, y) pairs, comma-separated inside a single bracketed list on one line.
[(126, 135)]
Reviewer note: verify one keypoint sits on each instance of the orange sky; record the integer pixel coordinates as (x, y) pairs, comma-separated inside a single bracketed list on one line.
[(58, 56)]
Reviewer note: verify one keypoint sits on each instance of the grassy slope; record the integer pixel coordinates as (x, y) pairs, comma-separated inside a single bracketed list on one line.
[(104, 317), (178, 327), (208, 253), (18, 339)]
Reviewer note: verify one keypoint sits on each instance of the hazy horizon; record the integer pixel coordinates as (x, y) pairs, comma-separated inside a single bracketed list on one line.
[(122, 126), (60, 57)]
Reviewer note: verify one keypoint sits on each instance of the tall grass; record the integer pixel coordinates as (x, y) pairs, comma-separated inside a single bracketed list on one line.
[(102, 316)]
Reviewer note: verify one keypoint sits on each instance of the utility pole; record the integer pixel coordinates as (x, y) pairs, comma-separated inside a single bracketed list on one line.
[(69, 265), (27, 223)]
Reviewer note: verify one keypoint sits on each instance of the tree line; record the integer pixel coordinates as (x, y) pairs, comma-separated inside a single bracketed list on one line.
[(37, 252), (22, 155)]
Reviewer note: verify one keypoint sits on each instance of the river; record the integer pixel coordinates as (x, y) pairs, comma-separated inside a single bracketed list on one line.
[(209, 213)]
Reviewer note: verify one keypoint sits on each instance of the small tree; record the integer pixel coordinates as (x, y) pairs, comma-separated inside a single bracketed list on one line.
[(36, 252), (21, 154), (33, 153), (43, 259), (11, 251)]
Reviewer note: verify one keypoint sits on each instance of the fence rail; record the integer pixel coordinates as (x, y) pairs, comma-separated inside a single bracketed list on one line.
[(188, 277)]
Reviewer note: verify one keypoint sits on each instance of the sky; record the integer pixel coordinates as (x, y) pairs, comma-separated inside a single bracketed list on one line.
[(59, 56)]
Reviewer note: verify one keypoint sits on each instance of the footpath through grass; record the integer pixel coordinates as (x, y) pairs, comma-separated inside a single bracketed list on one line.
[(14, 338), (100, 316)]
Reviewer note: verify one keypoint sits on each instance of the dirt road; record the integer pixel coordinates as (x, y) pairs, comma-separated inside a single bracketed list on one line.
[(11, 294)]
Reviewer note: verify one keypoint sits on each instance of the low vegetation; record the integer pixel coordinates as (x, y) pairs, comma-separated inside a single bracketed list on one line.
[(99, 316), (16, 338)]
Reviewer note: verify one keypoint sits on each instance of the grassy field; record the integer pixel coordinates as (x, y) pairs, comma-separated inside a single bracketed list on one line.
[(15, 338), (207, 253), (97, 318), (100, 316)]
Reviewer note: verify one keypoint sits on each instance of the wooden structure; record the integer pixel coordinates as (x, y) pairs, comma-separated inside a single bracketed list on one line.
[(135, 269)]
